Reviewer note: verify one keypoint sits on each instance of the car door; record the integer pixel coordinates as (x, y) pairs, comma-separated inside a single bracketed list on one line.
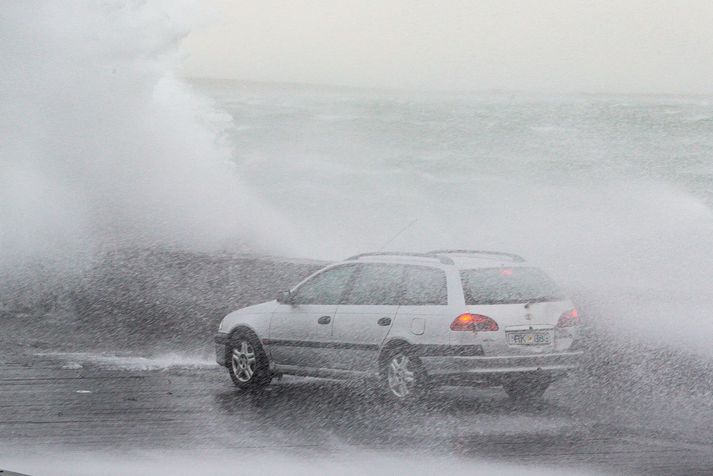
[(424, 312), (298, 328), (365, 316)]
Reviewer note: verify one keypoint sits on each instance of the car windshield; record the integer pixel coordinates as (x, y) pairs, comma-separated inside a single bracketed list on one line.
[(508, 286)]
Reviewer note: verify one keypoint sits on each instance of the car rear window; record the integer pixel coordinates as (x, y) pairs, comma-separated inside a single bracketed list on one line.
[(508, 286)]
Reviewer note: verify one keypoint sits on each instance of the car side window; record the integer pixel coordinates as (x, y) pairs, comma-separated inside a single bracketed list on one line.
[(424, 286), (376, 284), (325, 288)]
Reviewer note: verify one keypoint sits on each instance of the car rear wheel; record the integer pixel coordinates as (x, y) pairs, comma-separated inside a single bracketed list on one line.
[(403, 377), (247, 363)]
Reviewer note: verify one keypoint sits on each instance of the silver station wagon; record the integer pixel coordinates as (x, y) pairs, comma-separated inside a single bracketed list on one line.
[(410, 321)]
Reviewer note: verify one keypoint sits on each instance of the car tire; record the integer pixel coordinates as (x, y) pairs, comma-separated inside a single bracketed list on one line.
[(527, 389), (402, 376), (247, 362)]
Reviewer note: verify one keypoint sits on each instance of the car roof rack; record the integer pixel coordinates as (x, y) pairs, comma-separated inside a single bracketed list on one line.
[(442, 259), (512, 256)]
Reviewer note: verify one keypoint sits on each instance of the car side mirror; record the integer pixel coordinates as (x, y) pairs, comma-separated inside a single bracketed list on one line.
[(285, 297)]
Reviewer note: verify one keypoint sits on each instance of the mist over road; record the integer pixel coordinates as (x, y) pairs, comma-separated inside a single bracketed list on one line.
[(88, 367), (58, 414)]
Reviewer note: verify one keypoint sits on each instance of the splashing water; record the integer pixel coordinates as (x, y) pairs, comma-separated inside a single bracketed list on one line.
[(128, 361), (610, 194), (102, 146), (189, 462)]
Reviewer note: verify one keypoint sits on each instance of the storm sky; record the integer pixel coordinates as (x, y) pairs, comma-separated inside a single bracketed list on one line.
[(637, 46)]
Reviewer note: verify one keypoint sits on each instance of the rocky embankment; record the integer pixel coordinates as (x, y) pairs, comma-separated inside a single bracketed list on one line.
[(138, 298)]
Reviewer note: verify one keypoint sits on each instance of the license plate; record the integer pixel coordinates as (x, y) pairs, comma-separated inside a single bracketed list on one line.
[(529, 338)]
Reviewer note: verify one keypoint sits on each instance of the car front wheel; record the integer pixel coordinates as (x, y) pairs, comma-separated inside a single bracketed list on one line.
[(247, 363)]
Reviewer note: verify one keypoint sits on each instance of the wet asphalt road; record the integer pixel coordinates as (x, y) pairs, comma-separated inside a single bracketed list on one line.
[(97, 407)]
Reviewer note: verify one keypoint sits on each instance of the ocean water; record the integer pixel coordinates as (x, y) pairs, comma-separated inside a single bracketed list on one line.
[(350, 168), (611, 194)]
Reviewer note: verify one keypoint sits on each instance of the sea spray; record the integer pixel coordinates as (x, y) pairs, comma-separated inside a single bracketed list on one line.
[(611, 195), (103, 147)]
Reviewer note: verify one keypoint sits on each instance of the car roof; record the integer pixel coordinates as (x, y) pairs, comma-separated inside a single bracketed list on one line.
[(461, 259), (469, 262)]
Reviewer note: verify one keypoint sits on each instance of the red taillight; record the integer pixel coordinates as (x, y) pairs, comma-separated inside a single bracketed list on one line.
[(569, 319), (473, 323)]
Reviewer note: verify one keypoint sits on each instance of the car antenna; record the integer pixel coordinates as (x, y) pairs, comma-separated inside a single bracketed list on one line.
[(409, 225)]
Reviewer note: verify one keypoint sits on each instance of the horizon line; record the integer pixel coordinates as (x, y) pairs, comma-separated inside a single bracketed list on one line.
[(362, 88)]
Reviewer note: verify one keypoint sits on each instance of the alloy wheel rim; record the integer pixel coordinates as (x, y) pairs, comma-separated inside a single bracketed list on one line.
[(243, 362), (400, 378)]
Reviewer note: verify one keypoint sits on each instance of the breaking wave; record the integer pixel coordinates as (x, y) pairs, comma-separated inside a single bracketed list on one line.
[(103, 146)]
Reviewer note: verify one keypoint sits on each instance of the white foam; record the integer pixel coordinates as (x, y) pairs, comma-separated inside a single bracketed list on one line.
[(216, 463), (103, 146), (125, 361)]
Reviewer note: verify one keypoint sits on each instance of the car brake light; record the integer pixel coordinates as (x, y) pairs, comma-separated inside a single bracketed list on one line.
[(569, 319), (473, 323)]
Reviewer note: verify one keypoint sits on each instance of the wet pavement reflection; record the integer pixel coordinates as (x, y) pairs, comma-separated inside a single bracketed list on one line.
[(47, 404)]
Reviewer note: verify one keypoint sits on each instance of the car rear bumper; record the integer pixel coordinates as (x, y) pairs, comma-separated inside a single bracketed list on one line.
[(221, 341), (500, 365)]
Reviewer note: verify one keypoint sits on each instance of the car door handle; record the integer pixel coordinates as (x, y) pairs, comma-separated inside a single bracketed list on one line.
[(384, 321), (324, 320)]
